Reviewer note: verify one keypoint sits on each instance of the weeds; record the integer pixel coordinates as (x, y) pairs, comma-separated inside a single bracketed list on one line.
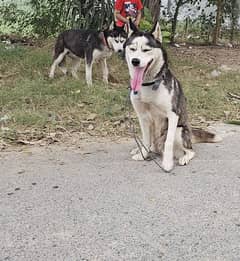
[(34, 102)]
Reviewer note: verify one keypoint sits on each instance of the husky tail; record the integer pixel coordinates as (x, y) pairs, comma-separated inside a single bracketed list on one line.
[(203, 136), (59, 47)]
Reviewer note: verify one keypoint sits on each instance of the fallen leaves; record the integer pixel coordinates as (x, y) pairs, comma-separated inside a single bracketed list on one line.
[(92, 117)]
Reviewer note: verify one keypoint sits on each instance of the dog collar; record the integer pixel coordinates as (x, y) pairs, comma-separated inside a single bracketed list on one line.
[(155, 84), (161, 76)]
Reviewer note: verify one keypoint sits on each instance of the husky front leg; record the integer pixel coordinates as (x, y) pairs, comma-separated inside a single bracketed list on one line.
[(144, 118), (168, 154), (104, 70), (88, 66), (89, 73)]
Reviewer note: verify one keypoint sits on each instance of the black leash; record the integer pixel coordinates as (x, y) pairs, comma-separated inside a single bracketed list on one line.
[(140, 145)]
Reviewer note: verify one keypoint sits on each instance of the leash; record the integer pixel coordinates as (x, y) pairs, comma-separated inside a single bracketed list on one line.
[(138, 141)]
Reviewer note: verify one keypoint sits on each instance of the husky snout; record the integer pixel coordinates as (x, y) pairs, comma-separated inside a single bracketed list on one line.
[(135, 62)]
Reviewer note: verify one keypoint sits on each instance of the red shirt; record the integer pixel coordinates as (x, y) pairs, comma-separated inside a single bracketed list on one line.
[(128, 8)]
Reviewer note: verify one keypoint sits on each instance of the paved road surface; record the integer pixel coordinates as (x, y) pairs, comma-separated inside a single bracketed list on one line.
[(95, 203)]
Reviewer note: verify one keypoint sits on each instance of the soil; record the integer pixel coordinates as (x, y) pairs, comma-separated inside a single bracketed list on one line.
[(211, 55)]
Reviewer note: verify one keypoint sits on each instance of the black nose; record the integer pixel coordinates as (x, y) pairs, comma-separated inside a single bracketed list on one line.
[(119, 51), (135, 62)]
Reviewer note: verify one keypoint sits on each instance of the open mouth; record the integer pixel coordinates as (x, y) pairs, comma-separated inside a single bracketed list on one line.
[(139, 73)]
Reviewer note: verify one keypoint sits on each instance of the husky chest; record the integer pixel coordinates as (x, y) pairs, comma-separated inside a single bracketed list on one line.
[(158, 100)]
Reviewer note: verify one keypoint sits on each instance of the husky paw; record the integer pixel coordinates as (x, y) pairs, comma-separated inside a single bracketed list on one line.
[(105, 80), (51, 75), (89, 83), (184, 160), (138, 157), (167, 165), (75, 76), (134, 151)]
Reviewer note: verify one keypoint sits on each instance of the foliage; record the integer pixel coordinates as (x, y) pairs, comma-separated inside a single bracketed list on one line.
[(50, 17), (14, 19), (47, 18)]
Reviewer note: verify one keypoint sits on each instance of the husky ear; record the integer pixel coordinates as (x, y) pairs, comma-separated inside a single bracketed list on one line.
[(125, 28), (112, 26), (156, 32), (131, 27)]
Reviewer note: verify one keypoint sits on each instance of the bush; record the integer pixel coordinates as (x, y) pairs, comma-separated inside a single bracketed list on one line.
[(45, 18)]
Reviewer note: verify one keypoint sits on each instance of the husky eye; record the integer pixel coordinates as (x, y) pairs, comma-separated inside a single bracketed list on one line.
[(146, 50), (133, 49), (117, 41), (122, 41)]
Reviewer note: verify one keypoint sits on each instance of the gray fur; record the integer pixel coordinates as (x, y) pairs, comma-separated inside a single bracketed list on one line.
[(90, 45), (159, 101)]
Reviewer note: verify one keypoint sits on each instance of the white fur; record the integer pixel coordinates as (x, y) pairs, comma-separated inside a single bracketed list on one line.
[(157, 33), (152, 107), (57, 62), (115, 44), (135, 50)]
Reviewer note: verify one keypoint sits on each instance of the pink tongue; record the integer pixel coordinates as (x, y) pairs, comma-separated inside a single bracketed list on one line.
[(137, 80)]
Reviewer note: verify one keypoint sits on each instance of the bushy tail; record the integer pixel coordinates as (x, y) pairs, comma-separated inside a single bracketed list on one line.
[(203, 136), (59, 47)]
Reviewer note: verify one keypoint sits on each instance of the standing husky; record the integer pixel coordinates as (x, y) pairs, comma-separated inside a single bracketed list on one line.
[(89, 45), (158, 100)]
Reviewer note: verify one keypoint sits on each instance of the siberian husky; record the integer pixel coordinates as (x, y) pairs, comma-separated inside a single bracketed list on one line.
[(159, 102), (90, 45)]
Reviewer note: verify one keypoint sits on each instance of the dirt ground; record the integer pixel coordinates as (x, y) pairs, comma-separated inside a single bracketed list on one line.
[(211, 55)]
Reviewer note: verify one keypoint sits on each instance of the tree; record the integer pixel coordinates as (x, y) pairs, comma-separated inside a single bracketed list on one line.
[(178, 5), (219, 17), (232, 8), (50, 17), (155, 7)]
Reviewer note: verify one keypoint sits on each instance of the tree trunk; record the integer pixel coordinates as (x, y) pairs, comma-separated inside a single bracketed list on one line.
[(234, 18), (155, 7), (216, 32), (174, 21)]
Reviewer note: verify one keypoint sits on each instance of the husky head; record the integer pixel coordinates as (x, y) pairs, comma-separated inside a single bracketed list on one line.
[(144, 55), (116, 37)]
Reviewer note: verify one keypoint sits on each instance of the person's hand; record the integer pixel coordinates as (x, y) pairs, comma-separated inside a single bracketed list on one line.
[(137, 22)]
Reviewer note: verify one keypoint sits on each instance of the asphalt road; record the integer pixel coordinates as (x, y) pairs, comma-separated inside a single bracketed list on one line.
[(95, 203)]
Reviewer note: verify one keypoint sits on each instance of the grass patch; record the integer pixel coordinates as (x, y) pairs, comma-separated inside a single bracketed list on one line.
[(32, 101), (207, 96)]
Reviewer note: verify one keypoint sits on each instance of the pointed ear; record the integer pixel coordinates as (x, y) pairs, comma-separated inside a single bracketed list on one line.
[(112, 25), (131, 28), (125, 28), (156, 32)]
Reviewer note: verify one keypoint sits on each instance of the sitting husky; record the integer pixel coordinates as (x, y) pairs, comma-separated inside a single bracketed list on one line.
[(159, 102), (90, 45)]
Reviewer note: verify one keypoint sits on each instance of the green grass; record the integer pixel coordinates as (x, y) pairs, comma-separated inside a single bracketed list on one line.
[(207, 96), (34, 102)]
